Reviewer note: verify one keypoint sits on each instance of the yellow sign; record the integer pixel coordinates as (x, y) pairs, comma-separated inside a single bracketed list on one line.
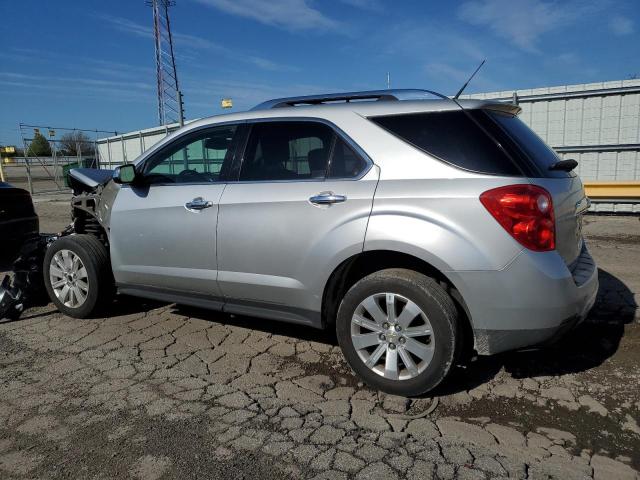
[(8, 149), (226, 103)]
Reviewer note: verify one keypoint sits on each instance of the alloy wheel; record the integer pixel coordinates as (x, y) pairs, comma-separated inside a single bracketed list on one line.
[(69, 278), (392, 336)]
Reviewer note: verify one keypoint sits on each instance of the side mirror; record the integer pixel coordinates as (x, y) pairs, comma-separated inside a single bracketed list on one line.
[(124, 174)]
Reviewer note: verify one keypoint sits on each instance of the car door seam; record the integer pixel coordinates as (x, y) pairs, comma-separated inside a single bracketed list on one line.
[(224, 298), (373, 199)]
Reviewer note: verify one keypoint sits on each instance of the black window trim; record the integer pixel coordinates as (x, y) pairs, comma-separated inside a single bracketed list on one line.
[(539, 172), (337, 131), (194, 132), (466, 112)]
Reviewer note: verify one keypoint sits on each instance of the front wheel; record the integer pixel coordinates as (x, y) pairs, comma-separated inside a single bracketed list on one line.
[(77, 275), (397, 329)]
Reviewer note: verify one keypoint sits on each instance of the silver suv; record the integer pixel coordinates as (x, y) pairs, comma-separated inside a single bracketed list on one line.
[(419, 228)]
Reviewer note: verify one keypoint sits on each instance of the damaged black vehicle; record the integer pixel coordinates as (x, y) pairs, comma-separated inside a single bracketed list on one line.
[(21, 252), (26, 253)]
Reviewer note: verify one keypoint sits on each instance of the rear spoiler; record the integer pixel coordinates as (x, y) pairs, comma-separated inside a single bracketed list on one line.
[(505, 107)]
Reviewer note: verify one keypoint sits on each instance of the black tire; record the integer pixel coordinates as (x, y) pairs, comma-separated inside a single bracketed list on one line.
[(95, 258), (436, 304)]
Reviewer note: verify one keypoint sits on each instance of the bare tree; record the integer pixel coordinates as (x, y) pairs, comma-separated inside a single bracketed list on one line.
[(76, 143)]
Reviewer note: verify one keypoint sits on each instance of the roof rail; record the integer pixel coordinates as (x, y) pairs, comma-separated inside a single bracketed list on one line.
[(377, 95)]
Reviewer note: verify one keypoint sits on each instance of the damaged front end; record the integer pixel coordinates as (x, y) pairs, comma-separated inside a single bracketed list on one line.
[(93, 195), (22, 246)]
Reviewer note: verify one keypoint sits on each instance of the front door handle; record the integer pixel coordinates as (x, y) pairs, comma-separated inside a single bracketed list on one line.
[(327, 198), (198, 203)]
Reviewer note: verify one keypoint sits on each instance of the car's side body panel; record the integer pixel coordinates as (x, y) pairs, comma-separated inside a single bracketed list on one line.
[(277, 248), (441, 221), (156, 242)]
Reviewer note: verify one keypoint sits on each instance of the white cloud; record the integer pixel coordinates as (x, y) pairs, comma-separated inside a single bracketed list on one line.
[(126, 25), (97, 88), (429, 40), (187, 41), (288, 14), (620, 25), (372, 5), (454, 77), (523, 22), (440, 69)]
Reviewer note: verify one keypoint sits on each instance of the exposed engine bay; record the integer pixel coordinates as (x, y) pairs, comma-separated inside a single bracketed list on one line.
[(23, 246), (93, 195)]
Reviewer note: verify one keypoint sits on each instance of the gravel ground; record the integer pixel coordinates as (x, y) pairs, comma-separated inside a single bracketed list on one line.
[(159, 391)]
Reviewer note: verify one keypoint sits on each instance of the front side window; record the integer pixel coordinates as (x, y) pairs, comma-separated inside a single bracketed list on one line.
[(287, 151), (195, 158)]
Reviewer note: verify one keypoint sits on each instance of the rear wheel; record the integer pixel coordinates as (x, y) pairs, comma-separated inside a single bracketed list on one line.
[(77, 275), (397, 329)]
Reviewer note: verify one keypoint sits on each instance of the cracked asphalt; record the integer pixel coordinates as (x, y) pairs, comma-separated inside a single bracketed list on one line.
[(156, 391)]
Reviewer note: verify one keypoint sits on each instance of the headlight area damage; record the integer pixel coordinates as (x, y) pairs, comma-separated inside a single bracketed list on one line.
[(23, 247)]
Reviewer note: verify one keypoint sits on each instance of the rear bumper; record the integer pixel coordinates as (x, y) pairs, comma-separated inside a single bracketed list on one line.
[(533, 301)]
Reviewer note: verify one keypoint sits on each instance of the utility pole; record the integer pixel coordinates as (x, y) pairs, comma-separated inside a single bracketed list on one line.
[(170, 109)]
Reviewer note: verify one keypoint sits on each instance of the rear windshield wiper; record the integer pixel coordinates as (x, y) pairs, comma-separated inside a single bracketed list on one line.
[(566, 165)]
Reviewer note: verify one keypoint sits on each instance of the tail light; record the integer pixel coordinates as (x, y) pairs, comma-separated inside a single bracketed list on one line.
[(526, 212)]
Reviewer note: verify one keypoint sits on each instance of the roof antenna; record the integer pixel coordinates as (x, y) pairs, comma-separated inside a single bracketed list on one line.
[(470, 78)]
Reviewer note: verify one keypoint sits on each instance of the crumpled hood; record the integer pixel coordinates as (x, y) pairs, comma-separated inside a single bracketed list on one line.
[(91, 177)]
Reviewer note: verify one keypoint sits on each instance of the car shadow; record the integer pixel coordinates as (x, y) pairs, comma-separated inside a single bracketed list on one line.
[(585, 347), (128, 305), (274, 327), (29, 316)]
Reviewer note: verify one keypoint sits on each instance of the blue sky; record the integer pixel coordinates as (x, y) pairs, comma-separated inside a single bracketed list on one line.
[(90, 64)]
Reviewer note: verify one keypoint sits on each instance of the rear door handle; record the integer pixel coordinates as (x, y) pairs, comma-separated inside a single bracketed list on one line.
[(198, 203), (327, 198)]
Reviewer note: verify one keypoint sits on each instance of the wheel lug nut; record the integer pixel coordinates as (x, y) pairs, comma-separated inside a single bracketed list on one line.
[(398, 328), (392, 346), (385, 325), (383, 337), (403, 340)]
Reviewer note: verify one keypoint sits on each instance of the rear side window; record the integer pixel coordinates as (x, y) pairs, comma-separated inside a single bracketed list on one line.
[(452, 137), (345, 163), (298, 151), (287, 151), (533, 147)]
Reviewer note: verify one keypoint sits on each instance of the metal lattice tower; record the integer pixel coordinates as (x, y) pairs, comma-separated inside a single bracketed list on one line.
[(169, 96)]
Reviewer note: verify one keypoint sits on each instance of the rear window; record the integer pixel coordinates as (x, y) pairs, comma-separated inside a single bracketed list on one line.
[(452, 137), (536, 151)]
